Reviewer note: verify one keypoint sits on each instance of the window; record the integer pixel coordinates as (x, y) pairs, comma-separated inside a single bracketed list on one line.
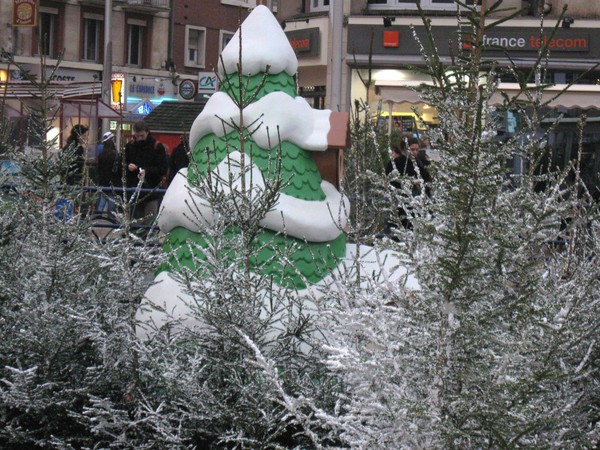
[(48, 33), (410, 4), (246, 3), (319, 5), (135, 42), (195, 40), (224, 38), (91, 39)]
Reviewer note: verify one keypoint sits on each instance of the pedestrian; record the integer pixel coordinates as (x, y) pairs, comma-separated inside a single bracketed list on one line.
[(146, 161), (179, 157), (405, 162), (109, 173), (72, 156)]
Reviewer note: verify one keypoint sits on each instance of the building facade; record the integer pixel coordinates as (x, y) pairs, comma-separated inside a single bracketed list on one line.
[(117, 57), (135, 54), (379, 46)]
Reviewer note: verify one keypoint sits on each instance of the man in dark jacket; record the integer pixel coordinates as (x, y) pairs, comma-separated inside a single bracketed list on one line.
[(109, 172), (72, 156), (406, 161), (179, 157), (145, 159)]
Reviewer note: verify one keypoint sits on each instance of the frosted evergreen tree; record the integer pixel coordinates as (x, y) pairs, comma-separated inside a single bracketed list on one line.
[(498, 347), (255, 240), (66, 300)]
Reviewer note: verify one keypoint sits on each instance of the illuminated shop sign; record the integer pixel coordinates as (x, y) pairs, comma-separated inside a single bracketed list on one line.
[(526, 41), (305, 42), (144, 108), (574, 42)]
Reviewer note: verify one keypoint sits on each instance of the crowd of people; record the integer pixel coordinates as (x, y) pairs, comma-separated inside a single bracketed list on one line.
[(145, 167)]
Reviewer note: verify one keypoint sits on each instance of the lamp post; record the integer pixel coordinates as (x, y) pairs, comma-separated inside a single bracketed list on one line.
[(336, 16), (107, 65), (117, 97)]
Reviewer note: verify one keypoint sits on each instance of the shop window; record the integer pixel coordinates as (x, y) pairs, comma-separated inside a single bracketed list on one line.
[(47, 37), (246, 3), (195, 42), (271, 4), (319, 5), (91, 39), (224, 38), (314, 95), (135, 42), (410, 4)]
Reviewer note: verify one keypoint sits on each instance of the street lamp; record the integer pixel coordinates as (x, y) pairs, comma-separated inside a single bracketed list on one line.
[(116, 86)]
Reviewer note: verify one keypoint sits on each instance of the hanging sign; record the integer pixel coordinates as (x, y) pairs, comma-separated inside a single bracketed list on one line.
[(187, 89), (24, 13), (207, 83)]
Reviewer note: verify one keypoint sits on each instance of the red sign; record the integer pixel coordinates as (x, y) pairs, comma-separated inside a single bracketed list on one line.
[(391, 38), (25, 13)]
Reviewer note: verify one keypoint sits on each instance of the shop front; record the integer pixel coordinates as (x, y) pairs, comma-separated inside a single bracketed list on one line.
[(309, 38), (389, 57), (391, 54), (73, 97)]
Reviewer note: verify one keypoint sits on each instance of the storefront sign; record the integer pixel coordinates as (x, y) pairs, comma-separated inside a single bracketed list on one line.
[(24, 13), (391, 39), (187, 89), (73, 75), (524, 41), (207, 83), (149, 87), (527, 41), (142, 89), (305, 42), (143, 108)]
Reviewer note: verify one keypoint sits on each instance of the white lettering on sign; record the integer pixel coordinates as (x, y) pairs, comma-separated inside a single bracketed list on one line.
[(573, 43), (509, 42)]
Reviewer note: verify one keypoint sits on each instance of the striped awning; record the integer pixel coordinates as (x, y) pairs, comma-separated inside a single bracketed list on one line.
[(25, 89), (584, 96)]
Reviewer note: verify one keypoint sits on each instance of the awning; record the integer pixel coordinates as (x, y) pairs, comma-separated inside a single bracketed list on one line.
[(584, 96), (93, 109), (25, 89)]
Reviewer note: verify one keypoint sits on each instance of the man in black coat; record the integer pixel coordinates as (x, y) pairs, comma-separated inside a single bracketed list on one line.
[(109, 172), (145, 159), (72, 156), (179, 158), (407, 163)]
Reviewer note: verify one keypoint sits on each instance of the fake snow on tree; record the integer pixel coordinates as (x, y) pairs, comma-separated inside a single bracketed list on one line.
[(300, 243)]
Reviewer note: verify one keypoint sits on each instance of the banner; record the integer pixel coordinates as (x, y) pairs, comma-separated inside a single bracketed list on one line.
[(25, 13)]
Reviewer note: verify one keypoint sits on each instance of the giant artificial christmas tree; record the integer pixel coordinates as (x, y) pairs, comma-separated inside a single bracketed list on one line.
[(255, 137)]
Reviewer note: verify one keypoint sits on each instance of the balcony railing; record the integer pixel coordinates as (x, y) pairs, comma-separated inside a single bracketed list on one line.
[(152, 3)]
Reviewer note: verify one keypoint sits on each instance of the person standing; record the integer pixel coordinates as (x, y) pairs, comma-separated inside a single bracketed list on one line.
[(72, 155), (109, 172), (146, 160), (406, 162), (179, 157)]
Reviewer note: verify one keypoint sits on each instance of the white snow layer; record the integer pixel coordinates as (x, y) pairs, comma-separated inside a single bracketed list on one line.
[(263, 44), (168, 302), (314, 221), (297, 121)]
